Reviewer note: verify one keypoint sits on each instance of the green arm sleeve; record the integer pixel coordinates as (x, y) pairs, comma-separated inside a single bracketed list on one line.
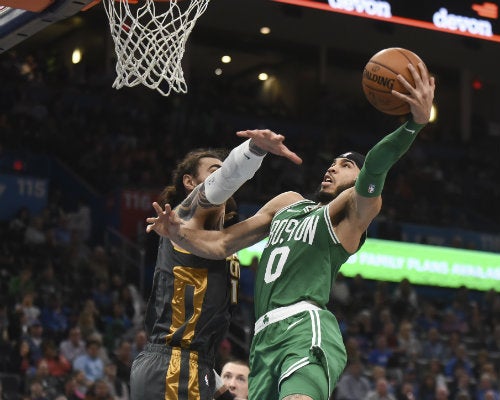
[(383, 156)]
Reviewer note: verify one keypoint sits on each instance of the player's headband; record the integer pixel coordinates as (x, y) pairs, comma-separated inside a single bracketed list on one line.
[(357, 158)]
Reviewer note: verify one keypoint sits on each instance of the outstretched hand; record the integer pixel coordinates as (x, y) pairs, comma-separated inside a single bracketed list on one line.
[(165, 222), (419, 97), (271, 142)]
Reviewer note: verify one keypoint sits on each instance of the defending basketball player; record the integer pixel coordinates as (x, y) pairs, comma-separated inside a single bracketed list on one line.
[(188, 312), (297, 351)]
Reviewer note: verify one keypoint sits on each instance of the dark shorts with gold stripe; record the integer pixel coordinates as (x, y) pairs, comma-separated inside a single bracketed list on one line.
[(161, 372)]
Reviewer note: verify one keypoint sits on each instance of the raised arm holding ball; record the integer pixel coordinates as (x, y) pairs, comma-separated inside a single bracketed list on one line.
[(297, 351)]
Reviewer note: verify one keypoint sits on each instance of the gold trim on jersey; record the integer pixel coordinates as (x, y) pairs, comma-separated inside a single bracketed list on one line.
[(173, 375), (194, 384), (181, 250), (184, 277), (172, 380), (234, 272)]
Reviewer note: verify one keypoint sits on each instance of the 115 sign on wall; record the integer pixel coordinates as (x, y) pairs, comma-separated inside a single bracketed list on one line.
[(21, 191)]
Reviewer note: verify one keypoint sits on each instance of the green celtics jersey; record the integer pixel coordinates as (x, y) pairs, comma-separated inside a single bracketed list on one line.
[(301, 258)]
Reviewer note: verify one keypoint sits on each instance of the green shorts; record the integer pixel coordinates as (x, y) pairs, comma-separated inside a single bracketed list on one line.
[(308, 338)]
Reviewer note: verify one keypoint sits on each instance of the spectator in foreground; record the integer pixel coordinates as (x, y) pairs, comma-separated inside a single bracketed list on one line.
[(234, 374)]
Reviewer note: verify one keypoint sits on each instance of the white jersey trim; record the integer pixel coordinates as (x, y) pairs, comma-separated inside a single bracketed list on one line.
[(294, 367), (279, 314), (316, 328), (291, 205), (330, 226), (315, 344)]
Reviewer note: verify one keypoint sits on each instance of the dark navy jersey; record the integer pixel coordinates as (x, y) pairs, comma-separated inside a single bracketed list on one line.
[(191, 298)]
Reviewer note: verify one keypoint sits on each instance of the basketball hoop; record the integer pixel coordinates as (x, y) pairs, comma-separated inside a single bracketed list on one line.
[(150, 43)]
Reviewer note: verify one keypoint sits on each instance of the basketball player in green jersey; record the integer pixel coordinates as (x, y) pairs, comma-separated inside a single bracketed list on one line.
[(188, 311), (297, 351)]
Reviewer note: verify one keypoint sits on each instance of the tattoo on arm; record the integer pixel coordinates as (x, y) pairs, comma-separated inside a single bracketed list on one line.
[(197, 198), (181, 238)]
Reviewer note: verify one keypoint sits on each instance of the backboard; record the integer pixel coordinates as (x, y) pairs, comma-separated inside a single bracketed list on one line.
[(149, 40), (18, 24)]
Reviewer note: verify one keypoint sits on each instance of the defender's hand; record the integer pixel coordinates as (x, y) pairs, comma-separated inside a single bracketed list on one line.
[(166, 223), (270, 142)]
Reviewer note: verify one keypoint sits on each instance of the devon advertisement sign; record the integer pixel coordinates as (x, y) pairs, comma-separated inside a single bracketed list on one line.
[(467, 18)]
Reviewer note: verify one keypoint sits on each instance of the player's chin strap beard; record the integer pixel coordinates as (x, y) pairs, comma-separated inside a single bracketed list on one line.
[(325, 197)]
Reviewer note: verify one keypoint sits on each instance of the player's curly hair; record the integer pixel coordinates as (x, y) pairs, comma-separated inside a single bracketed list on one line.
[(176, 192)]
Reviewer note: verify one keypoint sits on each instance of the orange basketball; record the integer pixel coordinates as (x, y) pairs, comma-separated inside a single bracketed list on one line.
[(379, 78)]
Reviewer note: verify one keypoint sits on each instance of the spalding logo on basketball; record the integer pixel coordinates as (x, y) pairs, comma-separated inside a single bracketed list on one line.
[(379, 78)]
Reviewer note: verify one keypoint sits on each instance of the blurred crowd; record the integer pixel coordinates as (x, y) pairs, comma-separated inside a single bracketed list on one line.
[(405, 343), (71, 325), (71, 321), (133, 137)]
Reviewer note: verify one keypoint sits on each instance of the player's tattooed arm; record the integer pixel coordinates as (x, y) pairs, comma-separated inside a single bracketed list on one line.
[(197, 198)]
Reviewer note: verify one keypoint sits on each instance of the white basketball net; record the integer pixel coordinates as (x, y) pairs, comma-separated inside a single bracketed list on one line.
[(150, 45)]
